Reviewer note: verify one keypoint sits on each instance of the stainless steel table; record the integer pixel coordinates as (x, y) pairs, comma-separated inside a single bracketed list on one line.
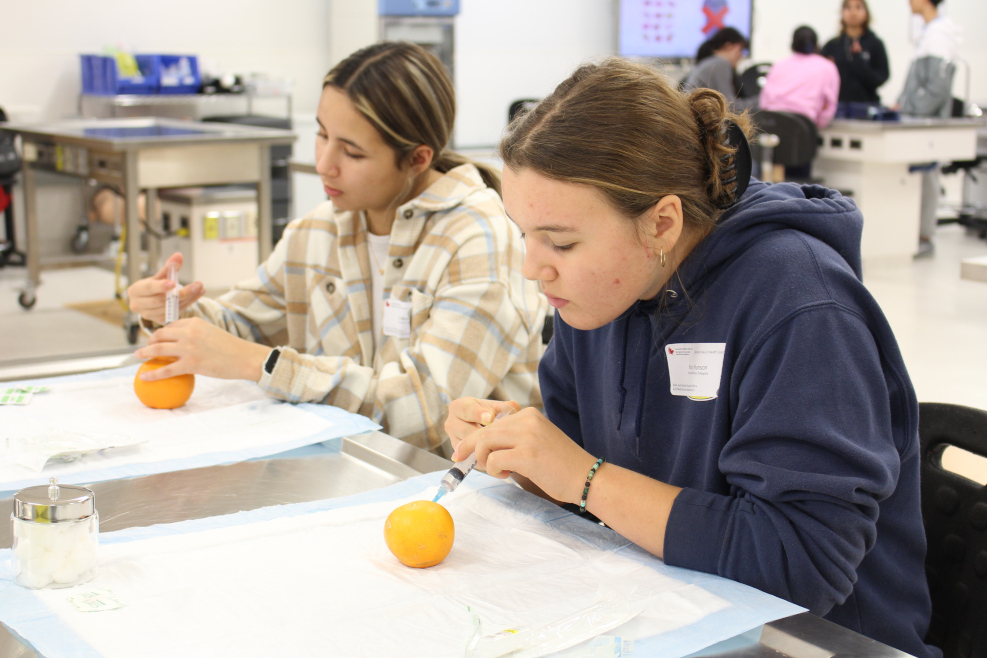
[(363, 463), (145, 154)]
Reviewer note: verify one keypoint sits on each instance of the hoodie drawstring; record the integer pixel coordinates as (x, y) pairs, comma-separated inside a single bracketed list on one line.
[(623, 372)]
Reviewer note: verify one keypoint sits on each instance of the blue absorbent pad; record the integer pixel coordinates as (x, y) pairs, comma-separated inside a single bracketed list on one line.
[(338, 423), (26, 613)]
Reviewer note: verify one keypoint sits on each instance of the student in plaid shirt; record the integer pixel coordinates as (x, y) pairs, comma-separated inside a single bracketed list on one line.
[(399, 294)]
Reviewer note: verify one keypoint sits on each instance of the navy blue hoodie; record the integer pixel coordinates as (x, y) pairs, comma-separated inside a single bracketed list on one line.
[(801, 476)]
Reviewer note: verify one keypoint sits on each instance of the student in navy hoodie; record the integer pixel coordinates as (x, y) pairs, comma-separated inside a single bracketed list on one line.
[(743, 387)]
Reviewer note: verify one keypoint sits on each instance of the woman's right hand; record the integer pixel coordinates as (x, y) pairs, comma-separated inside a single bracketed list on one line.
[(147, 296), (525, 443)]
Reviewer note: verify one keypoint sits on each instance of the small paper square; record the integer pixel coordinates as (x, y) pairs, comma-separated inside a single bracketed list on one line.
[(96, 601)]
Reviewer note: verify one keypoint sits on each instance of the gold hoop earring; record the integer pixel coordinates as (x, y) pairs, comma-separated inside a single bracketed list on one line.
[(661, 256)]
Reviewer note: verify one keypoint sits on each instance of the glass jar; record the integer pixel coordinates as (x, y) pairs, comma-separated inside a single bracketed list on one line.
[(56, 534)]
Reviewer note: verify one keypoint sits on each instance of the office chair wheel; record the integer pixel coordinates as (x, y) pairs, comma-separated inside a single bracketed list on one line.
[(27, 299), (80, 241)]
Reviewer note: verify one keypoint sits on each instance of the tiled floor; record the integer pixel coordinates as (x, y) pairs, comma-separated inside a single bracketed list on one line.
[(939, 319)]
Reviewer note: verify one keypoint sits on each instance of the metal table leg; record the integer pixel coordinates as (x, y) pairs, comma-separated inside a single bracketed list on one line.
[(131, 218), (264, 221), (28, 296)]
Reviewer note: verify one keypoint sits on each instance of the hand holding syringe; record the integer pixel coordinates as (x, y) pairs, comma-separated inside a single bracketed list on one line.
[(457, 473)]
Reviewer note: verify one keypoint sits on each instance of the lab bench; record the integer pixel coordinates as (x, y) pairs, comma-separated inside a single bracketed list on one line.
[(360, 464), (871, 159)]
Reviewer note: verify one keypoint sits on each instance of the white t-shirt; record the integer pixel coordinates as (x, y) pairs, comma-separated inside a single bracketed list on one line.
[(940, 37), (378, 246)]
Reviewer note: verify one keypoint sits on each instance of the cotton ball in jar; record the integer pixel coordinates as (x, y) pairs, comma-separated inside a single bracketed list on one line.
[(33, 579), (67, 573)]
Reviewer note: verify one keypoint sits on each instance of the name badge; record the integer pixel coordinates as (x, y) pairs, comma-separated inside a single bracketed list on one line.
[(694, 369), (397, 318)]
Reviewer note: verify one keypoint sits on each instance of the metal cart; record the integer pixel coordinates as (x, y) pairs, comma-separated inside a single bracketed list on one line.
[(145, 154)]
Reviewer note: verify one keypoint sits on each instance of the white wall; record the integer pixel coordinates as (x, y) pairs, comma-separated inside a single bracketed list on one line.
[(511, 49), (505, 49), (41, 42)]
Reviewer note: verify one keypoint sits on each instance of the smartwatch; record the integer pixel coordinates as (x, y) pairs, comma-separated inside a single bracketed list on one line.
[(272, 360)]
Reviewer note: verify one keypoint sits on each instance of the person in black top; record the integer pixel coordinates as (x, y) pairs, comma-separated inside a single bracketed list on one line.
[(859, 55)]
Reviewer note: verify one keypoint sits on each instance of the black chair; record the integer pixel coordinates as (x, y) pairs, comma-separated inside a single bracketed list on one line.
[(954, 510), (10, 166), (520, 106), (798, 139), (752, 79)]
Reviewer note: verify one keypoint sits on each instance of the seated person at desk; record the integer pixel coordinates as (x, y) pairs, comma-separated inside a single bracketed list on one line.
[(805, 82), (859, 55), (716, 66), (928, 92), (721, 354), (402, 292)]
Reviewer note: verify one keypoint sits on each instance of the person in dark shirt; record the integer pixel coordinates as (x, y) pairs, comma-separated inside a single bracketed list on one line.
[(859, 55), (718, 373), (716, 67)]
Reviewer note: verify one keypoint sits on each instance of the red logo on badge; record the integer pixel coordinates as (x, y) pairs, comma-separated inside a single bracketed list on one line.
[(671, 351)]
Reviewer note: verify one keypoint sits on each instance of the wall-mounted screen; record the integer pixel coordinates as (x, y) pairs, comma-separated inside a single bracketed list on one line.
[(673, 29)]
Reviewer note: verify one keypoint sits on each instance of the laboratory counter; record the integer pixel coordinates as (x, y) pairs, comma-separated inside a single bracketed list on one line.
[(876, 163), (360, 464)]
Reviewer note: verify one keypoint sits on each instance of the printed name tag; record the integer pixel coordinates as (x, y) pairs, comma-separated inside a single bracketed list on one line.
[(694, 369), (397, 318)]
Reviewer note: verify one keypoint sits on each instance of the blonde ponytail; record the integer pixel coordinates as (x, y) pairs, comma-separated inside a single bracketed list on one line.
[(449, 160)]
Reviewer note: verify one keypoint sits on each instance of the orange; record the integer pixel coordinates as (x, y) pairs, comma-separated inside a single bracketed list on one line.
[(420, 534), (169, 393)]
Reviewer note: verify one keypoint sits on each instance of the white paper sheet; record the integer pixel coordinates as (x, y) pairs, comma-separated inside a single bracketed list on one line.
[(316, 579), (224, 421)]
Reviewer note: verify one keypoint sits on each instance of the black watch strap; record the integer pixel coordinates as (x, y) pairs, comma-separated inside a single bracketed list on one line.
[(272, 360)]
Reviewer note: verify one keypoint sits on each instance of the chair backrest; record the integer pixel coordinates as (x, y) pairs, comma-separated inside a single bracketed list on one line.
[(752, 79), (954, 509), (519, 106), (797, 134)]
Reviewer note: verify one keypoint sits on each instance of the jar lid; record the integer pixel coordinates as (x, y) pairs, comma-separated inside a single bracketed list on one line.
[(54, 503)]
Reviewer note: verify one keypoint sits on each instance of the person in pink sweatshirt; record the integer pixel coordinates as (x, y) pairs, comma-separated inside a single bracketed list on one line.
[(806, 82)]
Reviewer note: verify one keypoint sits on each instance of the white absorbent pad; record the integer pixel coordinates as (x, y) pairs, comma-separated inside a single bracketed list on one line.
[(316, 579), (93, 427)]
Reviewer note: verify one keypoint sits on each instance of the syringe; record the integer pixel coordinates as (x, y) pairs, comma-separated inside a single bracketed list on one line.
[(171, 297), (457, 473)]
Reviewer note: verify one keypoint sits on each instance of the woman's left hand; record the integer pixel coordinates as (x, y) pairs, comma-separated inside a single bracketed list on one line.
[(529, 444), (202, 348)]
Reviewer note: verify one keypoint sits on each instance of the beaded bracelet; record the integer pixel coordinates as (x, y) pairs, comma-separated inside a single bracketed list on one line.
[(589, 478)]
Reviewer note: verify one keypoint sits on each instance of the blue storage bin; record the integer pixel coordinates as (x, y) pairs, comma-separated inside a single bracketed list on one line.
[(177, 74), (100, 76)]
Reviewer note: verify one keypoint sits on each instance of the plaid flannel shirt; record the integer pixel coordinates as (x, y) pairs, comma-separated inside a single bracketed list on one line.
[(475, 321)]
